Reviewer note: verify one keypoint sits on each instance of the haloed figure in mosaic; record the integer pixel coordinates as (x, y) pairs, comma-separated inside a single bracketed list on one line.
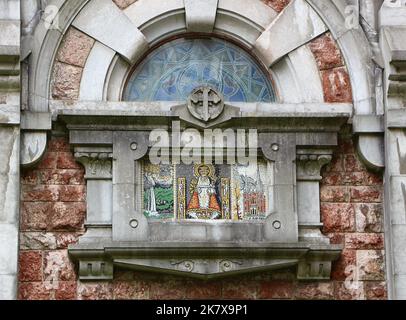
[(204, 202)]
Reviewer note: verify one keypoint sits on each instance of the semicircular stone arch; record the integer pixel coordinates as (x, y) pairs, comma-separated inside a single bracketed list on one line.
[(317, 63)]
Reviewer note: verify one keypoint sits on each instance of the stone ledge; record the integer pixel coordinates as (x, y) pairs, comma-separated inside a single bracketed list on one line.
[(204, 260)]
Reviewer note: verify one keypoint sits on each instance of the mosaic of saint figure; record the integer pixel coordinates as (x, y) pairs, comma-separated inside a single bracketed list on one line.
[(204, 203)]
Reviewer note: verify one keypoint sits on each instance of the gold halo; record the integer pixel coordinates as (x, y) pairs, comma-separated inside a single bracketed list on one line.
[(210, 166)]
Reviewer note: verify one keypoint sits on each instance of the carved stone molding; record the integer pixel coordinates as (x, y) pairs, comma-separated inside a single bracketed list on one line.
[(208, 261), (98, 165), (310, 163)]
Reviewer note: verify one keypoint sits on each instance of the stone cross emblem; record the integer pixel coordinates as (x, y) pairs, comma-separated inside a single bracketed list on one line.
[(205, 103)]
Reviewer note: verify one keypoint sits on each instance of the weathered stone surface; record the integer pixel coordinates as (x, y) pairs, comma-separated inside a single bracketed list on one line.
[(61, 177), (37, 241), (315, 291), (276, 290), (369, 217), (349, 290), (66, 160), (130, 290), (341, 268), (200, 290), (277, 5), (352, 163), (67, 216), (334, 194), (66, 81), (364, 241), (72, 193), (376, 290), (34, 216), (95, 291), (336, 85), (64, 239), (58, 144), (75, 48), (67, 290), (48, 161), (30, 266), (371, 265), (326, 52), (167, 290), (122, 4), (338, 217), (34, 291), (58, 267), (366, 194), (239, 289), (39, 193), (52, 216)]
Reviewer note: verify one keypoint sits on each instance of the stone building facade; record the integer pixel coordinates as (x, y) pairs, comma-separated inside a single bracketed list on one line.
[(83, 212)]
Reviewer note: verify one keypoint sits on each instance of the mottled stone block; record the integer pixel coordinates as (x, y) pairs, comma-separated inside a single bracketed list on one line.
[(371, 265), (34, 291), (276, 290), (369, 217), (366, 194), (37, 241), (201, 290), (75, 48), (315, 291), (58, 267), (277, 5), (334, 194), (122, 4), (338, 217), (66, 81), (326, 52), (95, 291), (349, 290), (167, 290), (336, 85), (130, 290), (240, 289), (30, 266), (343, 267), (364, 241), (67, 216)]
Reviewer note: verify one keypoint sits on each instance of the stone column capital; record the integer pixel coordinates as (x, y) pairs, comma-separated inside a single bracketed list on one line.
[(310, 163)]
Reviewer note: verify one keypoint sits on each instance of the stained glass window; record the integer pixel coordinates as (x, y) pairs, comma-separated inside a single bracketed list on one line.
[(172, 71)]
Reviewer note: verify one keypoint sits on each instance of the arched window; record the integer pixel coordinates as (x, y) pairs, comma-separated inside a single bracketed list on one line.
[(173, 70)]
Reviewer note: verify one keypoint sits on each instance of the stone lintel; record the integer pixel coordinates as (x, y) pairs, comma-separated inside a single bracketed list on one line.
[(205, 260)]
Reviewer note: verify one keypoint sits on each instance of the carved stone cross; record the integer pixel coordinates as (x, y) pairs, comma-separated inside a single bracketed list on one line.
[(205, 103)]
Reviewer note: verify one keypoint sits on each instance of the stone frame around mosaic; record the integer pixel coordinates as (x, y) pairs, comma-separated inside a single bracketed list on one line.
[(119, 234)]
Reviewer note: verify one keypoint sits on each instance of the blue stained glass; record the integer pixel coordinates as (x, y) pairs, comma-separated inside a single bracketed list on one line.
[(172, 71)]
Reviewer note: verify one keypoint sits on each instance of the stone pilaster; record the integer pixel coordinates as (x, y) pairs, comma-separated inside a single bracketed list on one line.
[(9, 145), (393, 46), (309, 164), (98, 166)]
